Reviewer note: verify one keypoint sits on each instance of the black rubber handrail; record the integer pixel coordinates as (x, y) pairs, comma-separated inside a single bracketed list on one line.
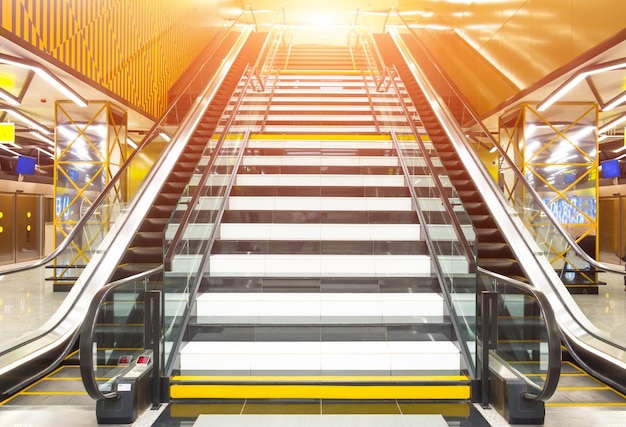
[(553, 371), (87, 330), (591, 349), (14, 351)]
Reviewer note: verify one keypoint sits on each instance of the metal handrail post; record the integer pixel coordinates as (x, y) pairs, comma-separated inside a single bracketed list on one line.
[(488, 339)]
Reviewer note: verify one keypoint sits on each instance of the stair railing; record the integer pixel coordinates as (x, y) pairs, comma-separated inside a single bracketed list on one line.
[(477, 130), (489, 279), (445, 278), (227, 152), (277, 38), (468, 249), (445, 281), (363, 38)]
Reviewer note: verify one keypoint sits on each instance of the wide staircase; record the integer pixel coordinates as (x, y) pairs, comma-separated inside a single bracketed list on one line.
[(316, 277)]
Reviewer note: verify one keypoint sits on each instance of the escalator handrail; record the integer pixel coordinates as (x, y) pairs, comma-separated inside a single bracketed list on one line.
[(553, 370), (114, 182), (88, 328), (96, 204), (577, 332), (45, 340), (521, 178), (431, 248)]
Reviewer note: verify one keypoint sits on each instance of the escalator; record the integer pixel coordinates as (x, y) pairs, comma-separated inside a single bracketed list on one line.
[(140, 247), (146, 248), (287, 250), (597, 358), (494, 252)]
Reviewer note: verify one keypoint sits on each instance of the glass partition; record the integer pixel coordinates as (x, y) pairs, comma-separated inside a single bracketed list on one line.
[(445, 223), (528, 339), (191, 230)]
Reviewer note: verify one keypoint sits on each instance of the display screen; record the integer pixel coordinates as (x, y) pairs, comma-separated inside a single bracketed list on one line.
[(25, 165), (610, 169)]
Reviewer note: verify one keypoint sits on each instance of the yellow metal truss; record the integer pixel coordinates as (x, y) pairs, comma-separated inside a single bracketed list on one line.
[(92, 140), (515, 139)]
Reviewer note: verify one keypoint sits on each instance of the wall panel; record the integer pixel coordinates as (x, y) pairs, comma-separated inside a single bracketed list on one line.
[(524, 39), (135, 49)]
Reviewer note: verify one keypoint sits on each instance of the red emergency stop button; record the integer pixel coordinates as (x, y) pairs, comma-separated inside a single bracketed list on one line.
[(124, 360), (143, 360)]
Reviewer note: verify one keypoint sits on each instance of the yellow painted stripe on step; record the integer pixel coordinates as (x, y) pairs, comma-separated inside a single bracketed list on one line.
[(275, 391), (320, 379), (582, 388)]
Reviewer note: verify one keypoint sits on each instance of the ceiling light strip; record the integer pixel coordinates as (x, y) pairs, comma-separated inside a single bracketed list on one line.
[(613, 123), (131, 143), (615, 102), (9, 98), (42, 137), (27, 120), (46, 75), (9, 150), (46, 152), (574, 80)]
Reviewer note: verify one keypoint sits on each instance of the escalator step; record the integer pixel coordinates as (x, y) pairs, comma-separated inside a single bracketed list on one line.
[(494, 250), (505, 266), (148, 238), (489, 235), (144, 254), (129, 269), (153, 224), (483, 220)]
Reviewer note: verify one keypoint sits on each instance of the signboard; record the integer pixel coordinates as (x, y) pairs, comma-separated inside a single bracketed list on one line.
[(7, 133)]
